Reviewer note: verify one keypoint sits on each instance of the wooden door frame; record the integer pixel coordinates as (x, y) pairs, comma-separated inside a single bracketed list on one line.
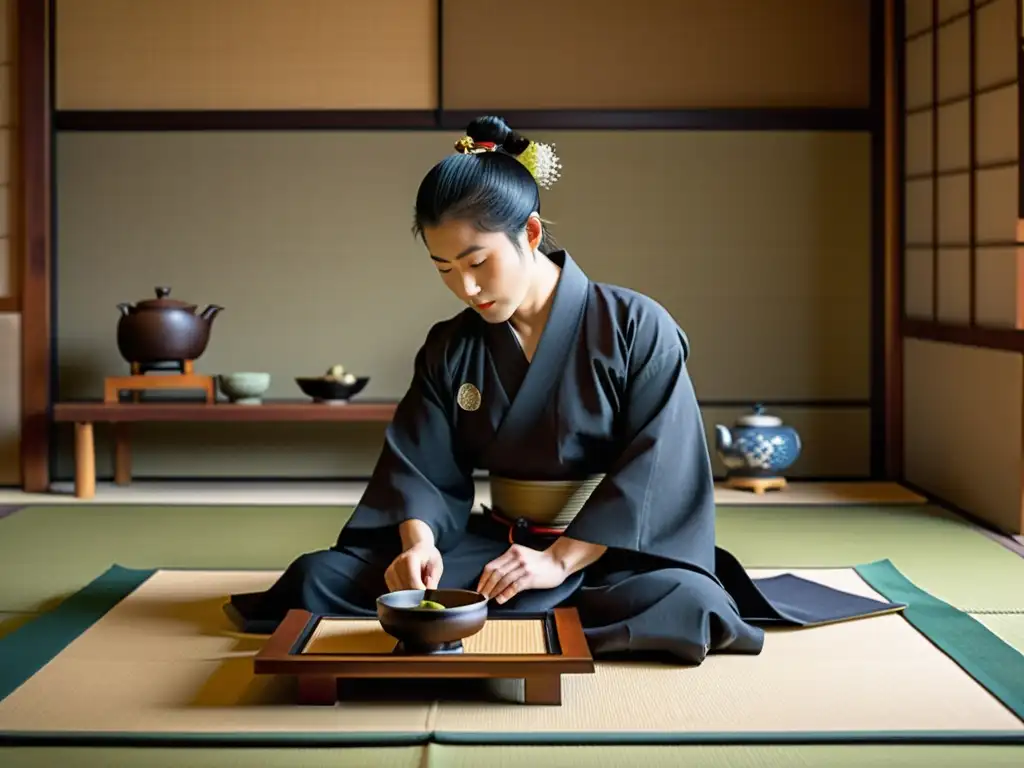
[(33, 83)]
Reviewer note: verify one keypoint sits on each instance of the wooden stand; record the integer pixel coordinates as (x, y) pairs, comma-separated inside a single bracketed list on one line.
[(138, 382), (756, 484), (85, 469), (319, 674)]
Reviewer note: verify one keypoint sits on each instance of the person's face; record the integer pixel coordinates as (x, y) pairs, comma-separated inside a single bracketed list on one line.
[(484, 269)]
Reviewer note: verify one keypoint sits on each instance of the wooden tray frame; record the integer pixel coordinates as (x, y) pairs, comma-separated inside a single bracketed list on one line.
[(319, 674)]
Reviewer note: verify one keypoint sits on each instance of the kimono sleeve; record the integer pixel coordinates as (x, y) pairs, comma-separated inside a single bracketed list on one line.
[(657, 497), (418, 474)]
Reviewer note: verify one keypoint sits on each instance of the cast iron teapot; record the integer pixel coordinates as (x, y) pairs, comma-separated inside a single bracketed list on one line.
[(163, 330)]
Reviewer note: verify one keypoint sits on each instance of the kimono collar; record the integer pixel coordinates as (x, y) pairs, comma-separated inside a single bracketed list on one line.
[(557, 340), (570, 293)]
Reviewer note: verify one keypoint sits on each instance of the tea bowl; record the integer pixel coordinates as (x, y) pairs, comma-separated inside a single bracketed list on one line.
[(426, 630), (244, 388)]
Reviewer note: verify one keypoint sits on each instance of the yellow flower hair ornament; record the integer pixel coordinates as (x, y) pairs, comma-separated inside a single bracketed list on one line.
[(538, 158)]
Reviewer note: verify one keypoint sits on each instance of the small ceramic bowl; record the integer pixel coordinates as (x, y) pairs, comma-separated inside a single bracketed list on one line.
[(244, 388), (427, 629), (324, 389)]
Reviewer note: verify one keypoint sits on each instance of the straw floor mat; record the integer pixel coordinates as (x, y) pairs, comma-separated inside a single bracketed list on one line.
[(147, 656)]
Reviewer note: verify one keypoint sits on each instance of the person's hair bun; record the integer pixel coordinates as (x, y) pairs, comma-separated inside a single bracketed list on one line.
[(495, 129)]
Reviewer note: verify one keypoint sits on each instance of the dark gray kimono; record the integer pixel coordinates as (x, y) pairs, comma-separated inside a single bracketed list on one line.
[(607, 393)]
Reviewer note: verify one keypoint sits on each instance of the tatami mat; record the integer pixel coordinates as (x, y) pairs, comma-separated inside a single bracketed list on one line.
[(936, 550), (874, 675), (448, 756), (238, 757), (164, 660)]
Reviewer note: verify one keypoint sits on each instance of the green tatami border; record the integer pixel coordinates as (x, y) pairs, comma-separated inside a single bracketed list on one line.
[(991, 662), (33, 645)]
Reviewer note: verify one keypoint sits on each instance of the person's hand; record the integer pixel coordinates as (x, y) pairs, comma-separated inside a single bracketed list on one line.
[(519, 569), (418, 567)]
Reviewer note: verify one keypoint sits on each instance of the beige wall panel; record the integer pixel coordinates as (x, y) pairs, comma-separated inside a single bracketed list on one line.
[(954, 285), (798, 268), (996, 203), (996, 125), (919, 211), (996, 286), (919, 73), (919, 264), (954, 209), (826, 353), (917, 16), (996, 43), (304, 238), (954, 60), (949, 8), (836, 442), (918, 146), (962, 427), (955, 136), (10, 399), (607, 54), (246, 54)]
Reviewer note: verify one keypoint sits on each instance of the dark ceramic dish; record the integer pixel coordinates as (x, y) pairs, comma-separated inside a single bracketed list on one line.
[(328, 390), (426, 630)]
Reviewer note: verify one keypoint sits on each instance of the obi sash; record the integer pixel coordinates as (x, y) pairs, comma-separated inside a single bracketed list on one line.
[(539, 506)]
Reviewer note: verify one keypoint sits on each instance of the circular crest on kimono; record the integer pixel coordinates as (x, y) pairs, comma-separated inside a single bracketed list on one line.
[(469, 397)]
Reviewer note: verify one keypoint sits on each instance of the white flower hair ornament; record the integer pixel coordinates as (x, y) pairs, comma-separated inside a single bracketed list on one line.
[(538, 158)]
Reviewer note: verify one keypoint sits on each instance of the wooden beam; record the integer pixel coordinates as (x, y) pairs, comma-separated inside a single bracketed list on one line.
[(33, 130), (1009, 339), (935, 159), (972, 177), (243, 120), (891, 308), (738, 119), (731, 119)]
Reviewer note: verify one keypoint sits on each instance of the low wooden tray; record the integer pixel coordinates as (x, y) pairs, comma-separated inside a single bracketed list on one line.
[(322, 650)]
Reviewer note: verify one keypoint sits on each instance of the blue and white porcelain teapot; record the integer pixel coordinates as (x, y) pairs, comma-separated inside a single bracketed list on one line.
[(758, 445)]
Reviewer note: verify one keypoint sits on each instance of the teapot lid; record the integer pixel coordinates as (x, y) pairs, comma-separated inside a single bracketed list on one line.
[(759, 418), (162, 302)]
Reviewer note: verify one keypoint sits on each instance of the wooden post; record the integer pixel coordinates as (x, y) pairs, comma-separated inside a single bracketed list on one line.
[(543, 689), (318, 690), (85, 461)]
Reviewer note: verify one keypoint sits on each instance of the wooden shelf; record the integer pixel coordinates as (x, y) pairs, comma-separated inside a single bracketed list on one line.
[(268, 411)]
